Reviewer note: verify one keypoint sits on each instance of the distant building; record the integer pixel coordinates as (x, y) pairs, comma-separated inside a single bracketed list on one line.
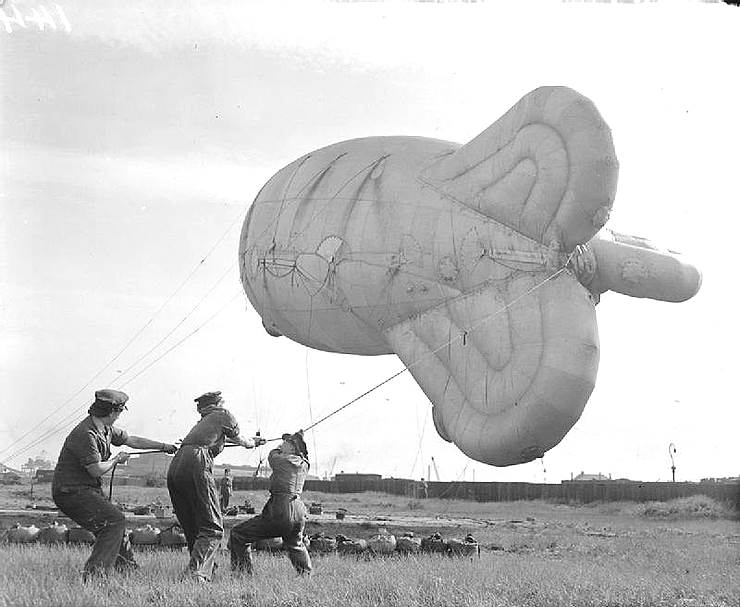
[(34, 463), (7, 469), (726, 480), (590, 477), (44, 476)]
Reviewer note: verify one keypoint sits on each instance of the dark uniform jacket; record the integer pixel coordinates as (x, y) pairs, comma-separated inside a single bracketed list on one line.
[(216, 424), (85, 445), (288, 473)]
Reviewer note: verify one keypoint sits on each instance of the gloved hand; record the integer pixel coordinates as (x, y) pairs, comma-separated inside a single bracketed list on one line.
[(259, 441), (122, 457), (169, 448)]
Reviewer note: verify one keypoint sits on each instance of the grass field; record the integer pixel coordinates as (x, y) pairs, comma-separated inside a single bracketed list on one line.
[(683, 553)]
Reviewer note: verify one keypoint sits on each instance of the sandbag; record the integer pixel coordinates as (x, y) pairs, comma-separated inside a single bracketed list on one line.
[(347, 545), (53, 534), (172, 537), (467, 547), (321, 544), (434, 543), (408, 544), (23, 535), (145, 536)]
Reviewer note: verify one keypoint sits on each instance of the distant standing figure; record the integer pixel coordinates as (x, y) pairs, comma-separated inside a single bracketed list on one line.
[(192, 487), (76, 487), (284, 514), (227, 488), (424, 487)]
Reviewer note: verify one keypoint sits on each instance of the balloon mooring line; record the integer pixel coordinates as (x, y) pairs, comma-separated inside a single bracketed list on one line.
[(463, 336)]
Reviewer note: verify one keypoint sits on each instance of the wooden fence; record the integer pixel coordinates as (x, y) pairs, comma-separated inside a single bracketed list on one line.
[(567, 491)]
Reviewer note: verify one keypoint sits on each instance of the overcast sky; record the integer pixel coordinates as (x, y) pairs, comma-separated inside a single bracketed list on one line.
[(134, 140)]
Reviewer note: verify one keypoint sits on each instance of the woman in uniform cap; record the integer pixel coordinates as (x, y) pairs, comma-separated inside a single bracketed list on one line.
[(284, 514), (76, 488), (192, 487)]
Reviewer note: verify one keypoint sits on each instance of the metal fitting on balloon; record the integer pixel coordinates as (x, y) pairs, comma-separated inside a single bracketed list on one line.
[(583, 264)]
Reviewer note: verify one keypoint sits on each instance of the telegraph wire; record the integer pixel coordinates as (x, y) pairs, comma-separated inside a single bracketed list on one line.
[(132, 339), (65, 422), (178, 325)]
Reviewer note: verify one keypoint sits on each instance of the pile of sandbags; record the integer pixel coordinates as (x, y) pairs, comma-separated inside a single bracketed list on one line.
[(172, 537), (451, 547)]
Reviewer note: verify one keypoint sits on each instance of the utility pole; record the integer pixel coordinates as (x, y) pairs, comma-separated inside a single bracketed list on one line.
[(671, 451)]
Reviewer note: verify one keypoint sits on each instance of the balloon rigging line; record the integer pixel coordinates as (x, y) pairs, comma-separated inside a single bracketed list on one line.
[(259, 426), (287, 187), (454, 485), (131, 339), (369, 167), (421, 438), (285, 198), (444, 345)]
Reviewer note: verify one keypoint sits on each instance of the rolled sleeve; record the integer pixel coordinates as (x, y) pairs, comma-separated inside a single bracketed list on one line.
[(274, 456), (230, 426), (85, 448), (118, 437)]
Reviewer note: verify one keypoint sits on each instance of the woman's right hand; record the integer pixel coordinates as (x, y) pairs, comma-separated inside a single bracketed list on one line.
[(122, 457)]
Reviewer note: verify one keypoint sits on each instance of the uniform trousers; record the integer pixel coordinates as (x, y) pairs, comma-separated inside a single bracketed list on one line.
[(87, 507), (195, 502), (283, 516)]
